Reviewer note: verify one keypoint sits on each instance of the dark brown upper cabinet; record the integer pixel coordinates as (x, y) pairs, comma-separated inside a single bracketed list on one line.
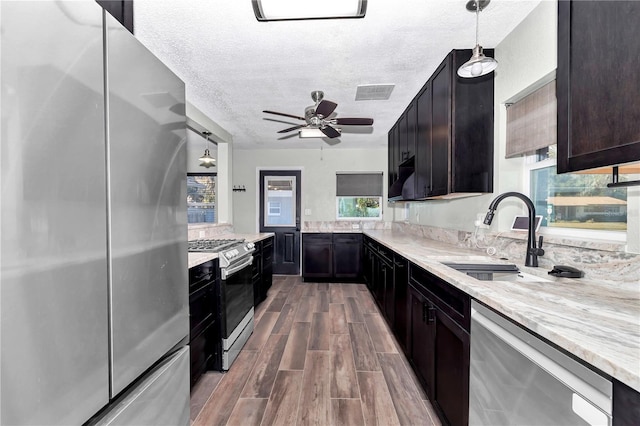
[(597, 84), (393, 155), (451, 125), (122, 10)]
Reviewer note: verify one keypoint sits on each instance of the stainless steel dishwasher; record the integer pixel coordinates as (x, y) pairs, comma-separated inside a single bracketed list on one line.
[(517, 379)]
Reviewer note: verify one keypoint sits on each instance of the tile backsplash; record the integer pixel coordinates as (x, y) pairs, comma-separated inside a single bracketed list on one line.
[(599, 260), (208, 231), (343, 225)]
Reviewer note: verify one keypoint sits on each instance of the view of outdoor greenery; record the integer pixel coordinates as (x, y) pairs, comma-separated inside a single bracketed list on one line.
[(350, 207), (573, 200), (201, 197)]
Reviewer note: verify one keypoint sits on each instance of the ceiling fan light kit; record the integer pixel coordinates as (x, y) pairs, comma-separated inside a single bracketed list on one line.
[(314, 133), (479, 64), (287, 10)]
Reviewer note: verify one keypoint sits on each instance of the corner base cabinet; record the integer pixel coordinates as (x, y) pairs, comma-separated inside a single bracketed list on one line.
[(333, 257)]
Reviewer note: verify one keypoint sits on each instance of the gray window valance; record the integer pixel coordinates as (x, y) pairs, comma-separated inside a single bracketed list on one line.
[(359, 184)]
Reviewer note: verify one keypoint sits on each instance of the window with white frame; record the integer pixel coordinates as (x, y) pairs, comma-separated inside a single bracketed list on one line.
[(359, 196), (274, 208)]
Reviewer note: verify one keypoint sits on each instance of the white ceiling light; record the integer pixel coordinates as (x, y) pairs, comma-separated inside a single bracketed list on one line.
[(280, 10), (207, 160), (478, 64), (313, 132)]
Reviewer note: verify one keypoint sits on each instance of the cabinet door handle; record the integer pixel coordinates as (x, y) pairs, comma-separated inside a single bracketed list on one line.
[(424, 312), (431, 315)]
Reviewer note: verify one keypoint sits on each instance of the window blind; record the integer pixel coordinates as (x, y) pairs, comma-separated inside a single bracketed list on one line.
[(532, 122), (359, 184)]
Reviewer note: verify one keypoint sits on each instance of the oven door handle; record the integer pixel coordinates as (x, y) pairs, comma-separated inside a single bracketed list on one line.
[(227, 272)]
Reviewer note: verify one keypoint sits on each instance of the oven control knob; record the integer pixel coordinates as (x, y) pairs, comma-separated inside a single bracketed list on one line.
[(228, 255), (250, 246)]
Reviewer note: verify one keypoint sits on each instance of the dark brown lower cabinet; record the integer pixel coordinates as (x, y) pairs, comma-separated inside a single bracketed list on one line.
[(347, 256), (332, 257), (400, 325), (421, 337), (626, 405), (317, 256), (451, 346), (439, 343), (204, 334), (267, 265), (370, 265)]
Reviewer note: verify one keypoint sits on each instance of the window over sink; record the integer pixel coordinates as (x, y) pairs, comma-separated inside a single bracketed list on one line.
[(359, 196), (574, 200)]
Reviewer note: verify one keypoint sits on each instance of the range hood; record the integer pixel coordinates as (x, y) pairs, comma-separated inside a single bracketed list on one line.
[(404, 187)]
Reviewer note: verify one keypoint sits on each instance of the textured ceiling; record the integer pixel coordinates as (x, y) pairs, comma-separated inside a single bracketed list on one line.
[(235, 67)]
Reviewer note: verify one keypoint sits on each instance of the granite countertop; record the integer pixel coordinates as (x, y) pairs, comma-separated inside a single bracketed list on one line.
[(597, 322), (198, 258)]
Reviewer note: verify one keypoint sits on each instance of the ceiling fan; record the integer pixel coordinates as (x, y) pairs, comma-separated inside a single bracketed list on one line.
[(318, 117)]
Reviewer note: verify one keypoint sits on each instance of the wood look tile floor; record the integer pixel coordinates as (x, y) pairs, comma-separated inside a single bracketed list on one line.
[(320, 354)]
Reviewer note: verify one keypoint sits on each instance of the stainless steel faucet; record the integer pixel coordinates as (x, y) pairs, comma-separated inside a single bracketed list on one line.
[(532, 251)]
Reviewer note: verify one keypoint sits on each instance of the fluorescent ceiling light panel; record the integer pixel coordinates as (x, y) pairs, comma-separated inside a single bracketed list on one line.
[(312, 132), (281, 10)]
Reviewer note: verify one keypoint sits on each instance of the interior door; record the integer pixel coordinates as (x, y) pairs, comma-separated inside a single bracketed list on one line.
[(280, 214)]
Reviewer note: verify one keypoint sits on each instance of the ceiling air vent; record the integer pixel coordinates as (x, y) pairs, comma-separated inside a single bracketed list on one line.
[(374, 92)]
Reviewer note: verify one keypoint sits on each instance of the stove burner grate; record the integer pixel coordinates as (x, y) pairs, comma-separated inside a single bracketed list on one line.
[(212, 245)]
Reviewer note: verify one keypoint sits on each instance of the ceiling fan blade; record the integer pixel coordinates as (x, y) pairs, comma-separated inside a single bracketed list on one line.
[(275, 120), (325, 108), (289, 136), (354, 121), (330, 131), (291, 129), (284, 115)]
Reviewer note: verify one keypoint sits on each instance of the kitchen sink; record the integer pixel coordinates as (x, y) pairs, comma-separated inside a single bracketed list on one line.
[(495, 272)]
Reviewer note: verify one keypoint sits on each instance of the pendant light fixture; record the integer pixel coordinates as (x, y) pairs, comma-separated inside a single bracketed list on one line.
[(207, 160), (478, 64)]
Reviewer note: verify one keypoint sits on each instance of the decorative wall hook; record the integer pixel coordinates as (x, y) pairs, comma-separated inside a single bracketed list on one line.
[(239, 188)]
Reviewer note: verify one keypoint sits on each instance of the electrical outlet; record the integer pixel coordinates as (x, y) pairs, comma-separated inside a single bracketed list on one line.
[(480, 221), (201, 234), (355, 226), (307, 212)]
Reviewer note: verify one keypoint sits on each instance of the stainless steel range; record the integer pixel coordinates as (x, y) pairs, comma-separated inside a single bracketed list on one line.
[(234, 294)]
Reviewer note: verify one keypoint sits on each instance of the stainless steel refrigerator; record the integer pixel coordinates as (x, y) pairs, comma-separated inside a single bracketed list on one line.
[(93, 256)]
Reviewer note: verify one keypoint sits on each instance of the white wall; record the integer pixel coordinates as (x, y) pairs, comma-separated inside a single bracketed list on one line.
[(535, 38), (318, 178)]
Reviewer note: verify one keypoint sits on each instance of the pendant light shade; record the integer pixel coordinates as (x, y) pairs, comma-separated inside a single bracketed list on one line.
[(206, 160), (478, 64)]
